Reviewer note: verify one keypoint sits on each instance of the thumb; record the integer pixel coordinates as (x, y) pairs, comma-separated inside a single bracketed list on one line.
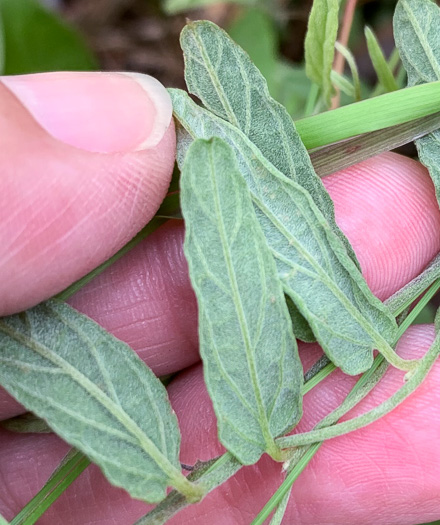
[(85, 162)]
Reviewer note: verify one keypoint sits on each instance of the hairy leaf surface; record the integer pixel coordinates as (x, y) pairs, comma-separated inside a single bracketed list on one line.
[(318, 275), (251, 364), (224, 78), (96, 394), (417, 35)]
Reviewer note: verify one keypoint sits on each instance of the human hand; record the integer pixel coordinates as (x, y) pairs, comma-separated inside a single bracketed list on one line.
[(64, 210)]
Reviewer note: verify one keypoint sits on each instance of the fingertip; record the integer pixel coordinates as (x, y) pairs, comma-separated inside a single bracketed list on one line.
[(386, 207)]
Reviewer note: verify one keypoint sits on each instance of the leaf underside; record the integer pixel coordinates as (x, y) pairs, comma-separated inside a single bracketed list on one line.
[(95, 393), (314, 266), (417, 35), (225, 79), (251, 365)]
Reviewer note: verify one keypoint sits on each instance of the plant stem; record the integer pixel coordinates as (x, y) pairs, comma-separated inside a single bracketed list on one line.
[(344, 36), (365, 384)]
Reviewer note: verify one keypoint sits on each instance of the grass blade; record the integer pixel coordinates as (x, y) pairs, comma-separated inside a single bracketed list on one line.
[(67, 471), (251, 365), (391, 109)]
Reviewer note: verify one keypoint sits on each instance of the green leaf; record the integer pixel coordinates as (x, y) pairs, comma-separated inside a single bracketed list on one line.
[(227, 82), (251, 364), (319, 45), (71, 372), (342, 83), (318, 275), (35, 40), (368, 115), (416, 31), (346, 53), (3, 521), (223, 77), (380, 64)]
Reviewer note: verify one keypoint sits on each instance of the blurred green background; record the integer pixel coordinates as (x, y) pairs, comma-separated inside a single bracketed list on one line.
[(142, 35)]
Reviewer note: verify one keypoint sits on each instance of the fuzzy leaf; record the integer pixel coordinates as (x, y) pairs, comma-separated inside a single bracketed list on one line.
[(74, 374), (417, 35), (251, 364), (319, 45), (224, 78), (318, 275)]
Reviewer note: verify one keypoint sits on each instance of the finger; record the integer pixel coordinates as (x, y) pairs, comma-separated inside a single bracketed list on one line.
[(86, 159), (387, 208), (146, 300), (387, 470)]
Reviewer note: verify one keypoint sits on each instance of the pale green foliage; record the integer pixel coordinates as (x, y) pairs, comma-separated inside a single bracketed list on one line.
[(251, 365), (317, 273), (380, 64), (417, 35), (224, 78), (319, 45), (96, 394)]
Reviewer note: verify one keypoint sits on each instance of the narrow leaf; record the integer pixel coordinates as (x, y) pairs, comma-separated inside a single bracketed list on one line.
[(323, 282), (71, 372), (347, 54), (251, 365), (368, 115), (223, 77), (380, 64), (342, 83), (417, 35), (319, 45)]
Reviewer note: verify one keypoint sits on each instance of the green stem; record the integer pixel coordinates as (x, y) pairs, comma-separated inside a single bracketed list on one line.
[(366, 383), (373, 415), (208, 475)]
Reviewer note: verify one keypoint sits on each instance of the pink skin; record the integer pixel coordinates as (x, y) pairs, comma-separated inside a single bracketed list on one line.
[(384, 474)]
